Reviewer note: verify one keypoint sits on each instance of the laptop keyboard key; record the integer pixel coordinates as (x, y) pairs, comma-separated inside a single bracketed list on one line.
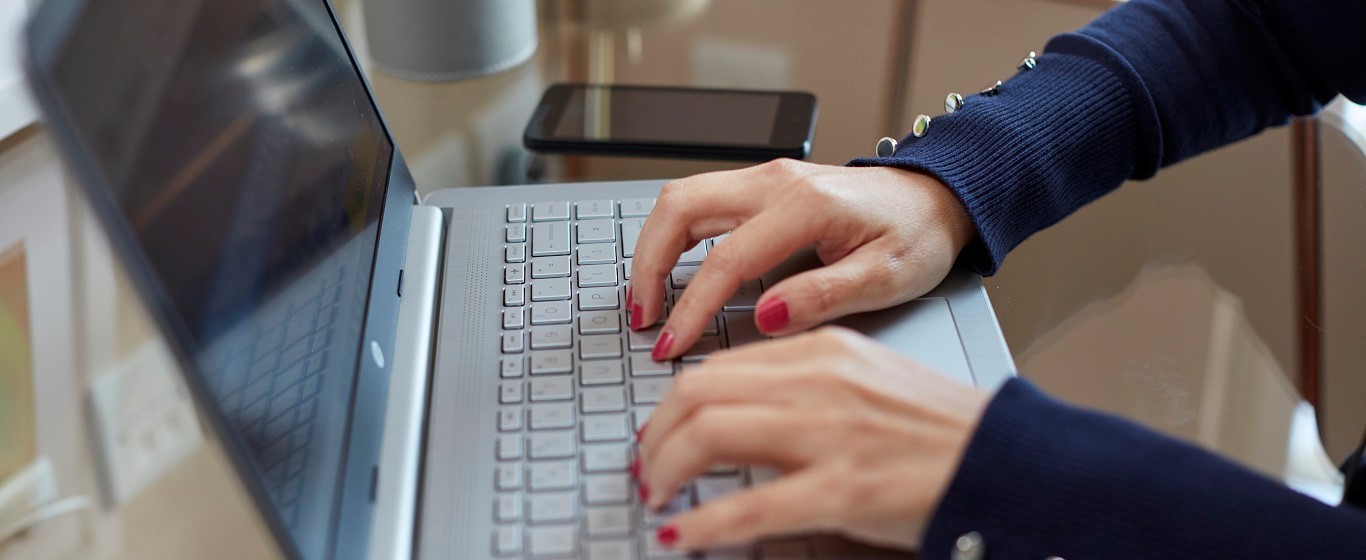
[(630, 233), (597, 254), (508, 508), (597, 231), (510, 419), (616, 549), (552, 475), (642, 365), (740, 329), (590, 209), (552, 388), (602, 399), (608, 521), (597, 275), (515, 233), (694, 255), (507, 540), (549, 211), (552, 542), (551, 336), (642, 340), (593, 299), (514, 296), (650, 390), (552, 508), (516, 213), (551, 313), (510, 392), (744, 297), (606, 457), (509, 447), (514, 274), (704, 347), (550, 289), (637, 207), (712, 487), (604, 427), (550, 445), (550, 267), (550, 239), (600, 373), (549, 416), (607, 489), (509, 476), (600, 322), (599, 347), (552, 361), (513, 342)]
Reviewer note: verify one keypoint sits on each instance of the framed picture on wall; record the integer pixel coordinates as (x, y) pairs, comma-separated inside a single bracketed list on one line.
[(17, 109)]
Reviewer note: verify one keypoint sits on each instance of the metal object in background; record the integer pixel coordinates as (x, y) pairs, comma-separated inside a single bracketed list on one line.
[(447, 40)]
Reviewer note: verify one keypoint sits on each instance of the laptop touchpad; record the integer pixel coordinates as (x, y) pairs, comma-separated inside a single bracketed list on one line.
[(922, 329)]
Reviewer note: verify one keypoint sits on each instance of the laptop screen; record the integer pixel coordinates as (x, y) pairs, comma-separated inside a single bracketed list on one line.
[(244, 153)]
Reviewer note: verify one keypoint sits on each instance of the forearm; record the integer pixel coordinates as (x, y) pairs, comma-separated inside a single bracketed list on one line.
[(1148, 84), (1043, 478)]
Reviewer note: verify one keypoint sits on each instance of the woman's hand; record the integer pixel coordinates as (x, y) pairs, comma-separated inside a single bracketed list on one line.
[(867, 439), (886, 236)]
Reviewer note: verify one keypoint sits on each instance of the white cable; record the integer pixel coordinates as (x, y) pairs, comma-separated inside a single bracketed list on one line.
[(43, 514)]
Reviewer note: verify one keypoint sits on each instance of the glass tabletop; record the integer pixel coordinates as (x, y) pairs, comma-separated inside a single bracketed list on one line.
[(1174, 302)]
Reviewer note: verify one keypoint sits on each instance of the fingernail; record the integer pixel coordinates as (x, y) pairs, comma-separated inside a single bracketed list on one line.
[(772, 315), (667, 536), (644, 492), (636, 317), (635, 468), (661, 351)]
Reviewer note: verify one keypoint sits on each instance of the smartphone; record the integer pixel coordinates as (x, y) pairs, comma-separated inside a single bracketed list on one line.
[(724, 124)]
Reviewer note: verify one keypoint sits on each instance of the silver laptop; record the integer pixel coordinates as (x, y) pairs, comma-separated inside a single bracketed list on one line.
[(447, 378)]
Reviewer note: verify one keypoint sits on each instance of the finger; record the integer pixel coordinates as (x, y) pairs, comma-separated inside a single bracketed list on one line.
[(707, 385), (739, 434), (752, 249), (785, 506), (687, 211), (869, 278)]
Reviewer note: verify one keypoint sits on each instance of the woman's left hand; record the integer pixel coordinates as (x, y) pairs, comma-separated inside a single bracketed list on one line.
[(868, 441)]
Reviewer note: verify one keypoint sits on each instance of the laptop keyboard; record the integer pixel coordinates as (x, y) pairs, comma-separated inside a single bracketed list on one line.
[(269, 388), (576, 384)]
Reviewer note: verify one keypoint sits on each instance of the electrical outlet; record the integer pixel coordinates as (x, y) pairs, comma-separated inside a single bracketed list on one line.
[(144, 421)]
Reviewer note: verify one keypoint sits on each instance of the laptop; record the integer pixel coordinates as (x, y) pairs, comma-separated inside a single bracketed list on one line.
[(395, 377)]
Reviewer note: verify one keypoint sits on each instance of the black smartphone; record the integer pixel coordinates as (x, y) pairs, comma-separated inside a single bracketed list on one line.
[(743, 125)]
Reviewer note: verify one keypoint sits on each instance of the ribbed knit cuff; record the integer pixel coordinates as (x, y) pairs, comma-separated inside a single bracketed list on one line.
[(1043, 478), (1053, 139)]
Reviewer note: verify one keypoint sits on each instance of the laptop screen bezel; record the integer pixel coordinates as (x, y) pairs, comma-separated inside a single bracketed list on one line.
[(47, 32)]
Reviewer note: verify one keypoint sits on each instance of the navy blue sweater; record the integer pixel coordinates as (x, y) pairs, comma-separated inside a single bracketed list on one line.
[(1146, 85)]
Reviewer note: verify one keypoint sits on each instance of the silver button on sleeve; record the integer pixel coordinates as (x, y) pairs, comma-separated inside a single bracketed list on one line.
[(921, 126), (885, 147), (953, 103), (969, 547)]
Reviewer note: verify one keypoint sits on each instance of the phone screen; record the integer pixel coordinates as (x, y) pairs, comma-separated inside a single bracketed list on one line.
[(666, 116)]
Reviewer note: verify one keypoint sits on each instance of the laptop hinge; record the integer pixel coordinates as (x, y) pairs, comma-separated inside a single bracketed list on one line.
[(401, 452)]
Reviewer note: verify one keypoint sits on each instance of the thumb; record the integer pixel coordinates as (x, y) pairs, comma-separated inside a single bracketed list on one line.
[(864, 280)]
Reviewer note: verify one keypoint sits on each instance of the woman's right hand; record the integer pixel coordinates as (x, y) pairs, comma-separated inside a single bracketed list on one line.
[(885, 236)]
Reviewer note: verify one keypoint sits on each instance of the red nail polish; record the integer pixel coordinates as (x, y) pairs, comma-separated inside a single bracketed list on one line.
[(635, 468), (661, 351), (644, 492), (636, 318), (771, 316), (667, 536)]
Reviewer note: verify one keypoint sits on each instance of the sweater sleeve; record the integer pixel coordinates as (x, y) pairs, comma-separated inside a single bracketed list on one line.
[(1042, 478), (1148, 84)]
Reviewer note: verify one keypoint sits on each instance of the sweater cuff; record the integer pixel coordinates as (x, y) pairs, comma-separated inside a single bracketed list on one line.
[(1054, 138), (1043, 478)]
